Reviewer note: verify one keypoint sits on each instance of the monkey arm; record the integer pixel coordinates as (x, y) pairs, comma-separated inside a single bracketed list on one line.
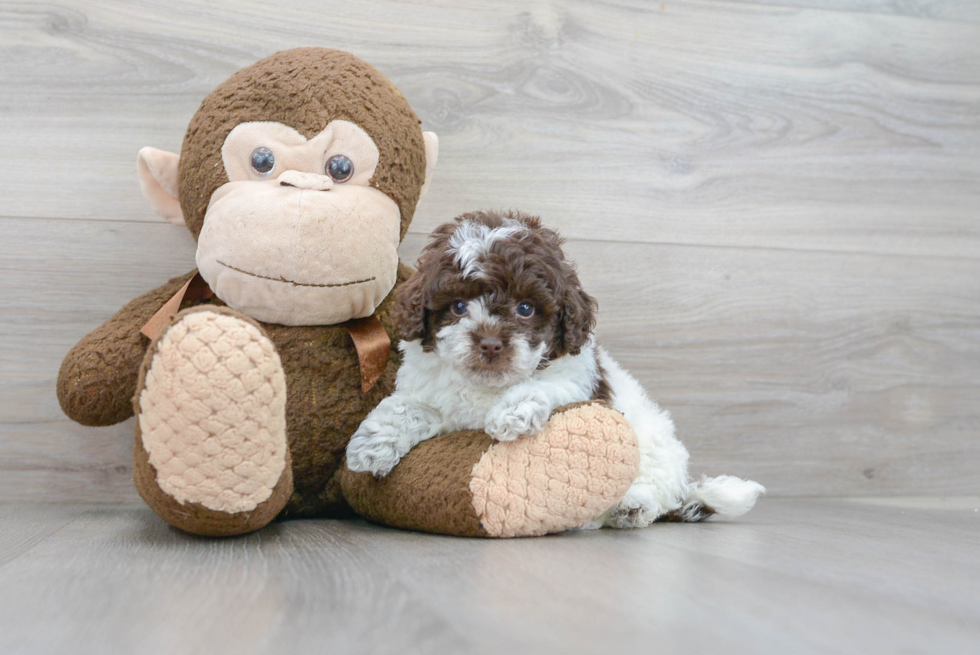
[(97, 380), (467, 484)]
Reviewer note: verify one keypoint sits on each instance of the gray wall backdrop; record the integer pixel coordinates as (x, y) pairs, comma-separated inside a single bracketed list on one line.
[(777, 205)]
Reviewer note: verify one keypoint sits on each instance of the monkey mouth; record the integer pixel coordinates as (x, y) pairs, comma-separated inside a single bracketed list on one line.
[(294, 283)]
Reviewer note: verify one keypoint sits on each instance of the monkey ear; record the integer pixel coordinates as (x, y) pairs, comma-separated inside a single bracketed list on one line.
[(431, 157), (157, 170), (410, 309)]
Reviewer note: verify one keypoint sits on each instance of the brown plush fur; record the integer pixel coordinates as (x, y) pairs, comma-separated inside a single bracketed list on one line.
[(435, 475), (305, 88), (324, 404), (98, 376)]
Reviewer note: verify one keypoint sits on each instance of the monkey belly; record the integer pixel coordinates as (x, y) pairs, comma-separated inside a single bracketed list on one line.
[(324, 406)]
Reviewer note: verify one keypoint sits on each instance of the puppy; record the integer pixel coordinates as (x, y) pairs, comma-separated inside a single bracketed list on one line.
[(497, 333)]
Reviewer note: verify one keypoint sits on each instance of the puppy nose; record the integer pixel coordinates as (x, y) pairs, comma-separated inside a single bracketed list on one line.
[(491, 345)]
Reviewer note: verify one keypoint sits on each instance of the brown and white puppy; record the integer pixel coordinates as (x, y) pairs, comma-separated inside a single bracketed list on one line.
[(497, 333)]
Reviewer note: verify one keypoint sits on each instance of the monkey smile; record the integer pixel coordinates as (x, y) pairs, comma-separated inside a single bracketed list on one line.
[(296, 284)]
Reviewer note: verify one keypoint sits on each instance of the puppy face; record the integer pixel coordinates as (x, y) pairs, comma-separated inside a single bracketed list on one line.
[(495, 298)]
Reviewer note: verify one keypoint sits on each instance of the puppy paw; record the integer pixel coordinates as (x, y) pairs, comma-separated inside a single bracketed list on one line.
[(518, 415), (637, 509), (373, 449)]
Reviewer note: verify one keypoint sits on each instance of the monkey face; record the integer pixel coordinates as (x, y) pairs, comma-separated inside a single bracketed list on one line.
[(297, 236), (298, 176)]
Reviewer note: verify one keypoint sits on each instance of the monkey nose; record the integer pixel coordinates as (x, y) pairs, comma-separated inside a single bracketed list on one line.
[(491, 345), (308, 181)]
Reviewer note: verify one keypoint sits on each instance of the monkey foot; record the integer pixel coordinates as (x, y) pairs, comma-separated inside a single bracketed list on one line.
[(467, 484), (211, 456)]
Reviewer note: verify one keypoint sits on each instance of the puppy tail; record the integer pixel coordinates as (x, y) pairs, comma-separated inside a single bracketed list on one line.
[(725, 495)]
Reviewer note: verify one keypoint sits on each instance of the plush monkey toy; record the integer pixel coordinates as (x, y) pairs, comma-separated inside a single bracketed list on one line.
[(298, 177)]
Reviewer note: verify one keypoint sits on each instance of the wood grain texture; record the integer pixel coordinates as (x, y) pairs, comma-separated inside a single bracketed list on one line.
[(715, 123), (966, 11), (819, 374), (799, 576), (775, 203)]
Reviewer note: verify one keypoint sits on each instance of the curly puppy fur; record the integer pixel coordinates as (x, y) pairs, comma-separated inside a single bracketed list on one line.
[(497, 332)]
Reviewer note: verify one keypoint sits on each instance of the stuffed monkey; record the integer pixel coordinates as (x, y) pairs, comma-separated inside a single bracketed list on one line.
[(298, 177)]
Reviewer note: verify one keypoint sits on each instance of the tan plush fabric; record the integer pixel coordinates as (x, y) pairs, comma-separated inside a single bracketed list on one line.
[(294, 152), (157, 174), (584, 460), (292, 245), (191, 516), (428, 490), (347, 269), (196, 518), (467, 484), (213, 412)]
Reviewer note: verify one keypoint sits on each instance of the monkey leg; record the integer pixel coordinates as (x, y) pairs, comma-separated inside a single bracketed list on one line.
[(210, 455), (467, 484)]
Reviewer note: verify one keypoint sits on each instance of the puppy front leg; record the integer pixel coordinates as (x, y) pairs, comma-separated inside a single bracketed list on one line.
[(522, 411), (392, 429)]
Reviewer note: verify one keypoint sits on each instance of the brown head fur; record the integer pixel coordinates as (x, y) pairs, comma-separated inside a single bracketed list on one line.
[(305, 88), (527, 266)]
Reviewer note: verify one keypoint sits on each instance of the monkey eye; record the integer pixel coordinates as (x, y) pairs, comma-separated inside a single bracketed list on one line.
[(459, 307), (263, 161), (525, 310), (340, 168)]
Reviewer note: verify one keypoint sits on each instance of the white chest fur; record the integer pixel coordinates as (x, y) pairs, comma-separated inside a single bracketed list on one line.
[(427, 378)]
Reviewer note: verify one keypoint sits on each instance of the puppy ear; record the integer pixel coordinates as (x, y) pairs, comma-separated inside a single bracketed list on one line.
[(410, 309), (577, 318)]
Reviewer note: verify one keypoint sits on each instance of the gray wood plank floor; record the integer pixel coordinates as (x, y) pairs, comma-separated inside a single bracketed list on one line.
[(794, 576)]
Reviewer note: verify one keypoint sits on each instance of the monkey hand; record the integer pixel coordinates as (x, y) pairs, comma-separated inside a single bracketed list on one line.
[(98, 376)]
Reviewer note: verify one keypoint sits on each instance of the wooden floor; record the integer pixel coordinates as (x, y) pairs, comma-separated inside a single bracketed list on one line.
[(794, 576)]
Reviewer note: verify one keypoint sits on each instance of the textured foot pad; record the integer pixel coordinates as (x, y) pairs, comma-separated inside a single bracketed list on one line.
[(583, 462), (212, 413)]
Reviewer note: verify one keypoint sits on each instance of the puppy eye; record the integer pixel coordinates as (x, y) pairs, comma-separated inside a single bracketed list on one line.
[(263, 161), (459, 307), (525, 310), (340, 168)]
